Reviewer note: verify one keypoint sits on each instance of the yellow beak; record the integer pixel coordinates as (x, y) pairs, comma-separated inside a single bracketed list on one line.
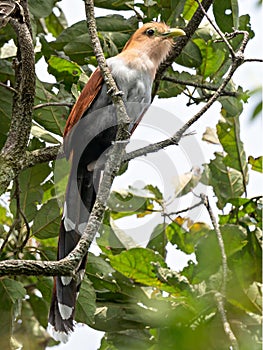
[(174, 32)]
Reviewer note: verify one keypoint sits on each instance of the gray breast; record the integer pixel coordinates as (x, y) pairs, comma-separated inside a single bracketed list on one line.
[(136, 86)]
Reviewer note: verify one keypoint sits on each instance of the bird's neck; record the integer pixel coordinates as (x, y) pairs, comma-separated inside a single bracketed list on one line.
[(145, 58), (140, 60)]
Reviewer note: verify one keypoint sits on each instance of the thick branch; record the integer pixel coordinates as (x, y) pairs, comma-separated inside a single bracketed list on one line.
[(37, 268), (42, 155), (24, 98), (122, 117), (15, 146)]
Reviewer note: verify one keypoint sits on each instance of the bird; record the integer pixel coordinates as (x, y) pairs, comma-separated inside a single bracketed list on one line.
[(89, 132)]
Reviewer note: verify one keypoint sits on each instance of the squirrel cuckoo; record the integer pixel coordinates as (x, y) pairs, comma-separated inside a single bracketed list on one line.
[(89, 132)]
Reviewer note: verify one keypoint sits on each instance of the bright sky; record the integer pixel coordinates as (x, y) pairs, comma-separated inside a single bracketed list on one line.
[(192, 151)]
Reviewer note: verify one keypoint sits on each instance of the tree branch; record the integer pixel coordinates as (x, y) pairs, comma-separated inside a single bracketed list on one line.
[(10, 88), (49, 104), (42, 155), (219, 296), (15, 145), (204, 86)]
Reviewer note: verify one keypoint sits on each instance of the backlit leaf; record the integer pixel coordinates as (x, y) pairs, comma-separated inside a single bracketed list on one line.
[(256, 163)]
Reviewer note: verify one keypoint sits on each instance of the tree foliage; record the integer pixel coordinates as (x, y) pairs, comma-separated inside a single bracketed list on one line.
[(129, 292)]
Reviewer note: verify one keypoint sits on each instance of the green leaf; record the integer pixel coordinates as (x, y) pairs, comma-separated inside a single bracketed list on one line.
[(56, 24), (138, 264), (40, 308), (226, 182), (183, 239), (231, 106), (64, 70), (108, 242), (6, 33), (43, 134), (6, 71), (208, 253), (31, 191), (11, 292), (47, 220), (126, 240), (257, 111), (212, 58), (5, 217), (172, 89), (129, 339), (134, 201), (158, 240), (52, 118), (41, 8), (256, 163), (190, 56), (114, 31), (86, 303), (189, 9), (226, 14), (113, 4), (228, 132)]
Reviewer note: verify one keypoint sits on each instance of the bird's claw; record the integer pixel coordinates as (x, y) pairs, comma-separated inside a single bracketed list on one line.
[(118, 93), (112, 92)]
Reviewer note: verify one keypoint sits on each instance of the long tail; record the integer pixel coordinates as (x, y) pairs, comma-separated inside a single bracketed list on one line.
[(80, 198)]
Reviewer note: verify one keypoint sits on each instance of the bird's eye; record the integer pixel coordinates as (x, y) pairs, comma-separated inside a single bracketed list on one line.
[(150, 32)]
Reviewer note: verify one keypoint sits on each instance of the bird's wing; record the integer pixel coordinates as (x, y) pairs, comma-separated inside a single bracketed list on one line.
[(87, 96)]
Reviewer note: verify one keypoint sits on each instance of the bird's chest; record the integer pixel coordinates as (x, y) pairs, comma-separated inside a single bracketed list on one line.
[(136, 84)]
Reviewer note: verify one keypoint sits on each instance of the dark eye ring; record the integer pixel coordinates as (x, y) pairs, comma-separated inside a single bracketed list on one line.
[(150, 32)]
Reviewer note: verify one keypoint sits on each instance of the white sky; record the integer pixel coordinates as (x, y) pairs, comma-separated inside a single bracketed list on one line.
[(191, 153)]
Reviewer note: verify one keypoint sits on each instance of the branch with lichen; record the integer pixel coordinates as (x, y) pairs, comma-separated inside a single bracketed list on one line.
[(14, 148)]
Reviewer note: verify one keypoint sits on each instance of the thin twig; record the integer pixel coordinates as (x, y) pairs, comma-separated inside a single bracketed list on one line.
[(11, 229), (183, 210), (10, 88), (227, 328), (220, 295), (198, 85), (21, 247), (221, 34), (253, 60), (206, 203), (55, 104)]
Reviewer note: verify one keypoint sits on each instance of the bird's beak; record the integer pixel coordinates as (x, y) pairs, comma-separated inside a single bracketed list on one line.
[(173, 32)]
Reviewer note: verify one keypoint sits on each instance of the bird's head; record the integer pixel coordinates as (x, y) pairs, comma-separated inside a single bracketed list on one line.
[(155, 40)]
